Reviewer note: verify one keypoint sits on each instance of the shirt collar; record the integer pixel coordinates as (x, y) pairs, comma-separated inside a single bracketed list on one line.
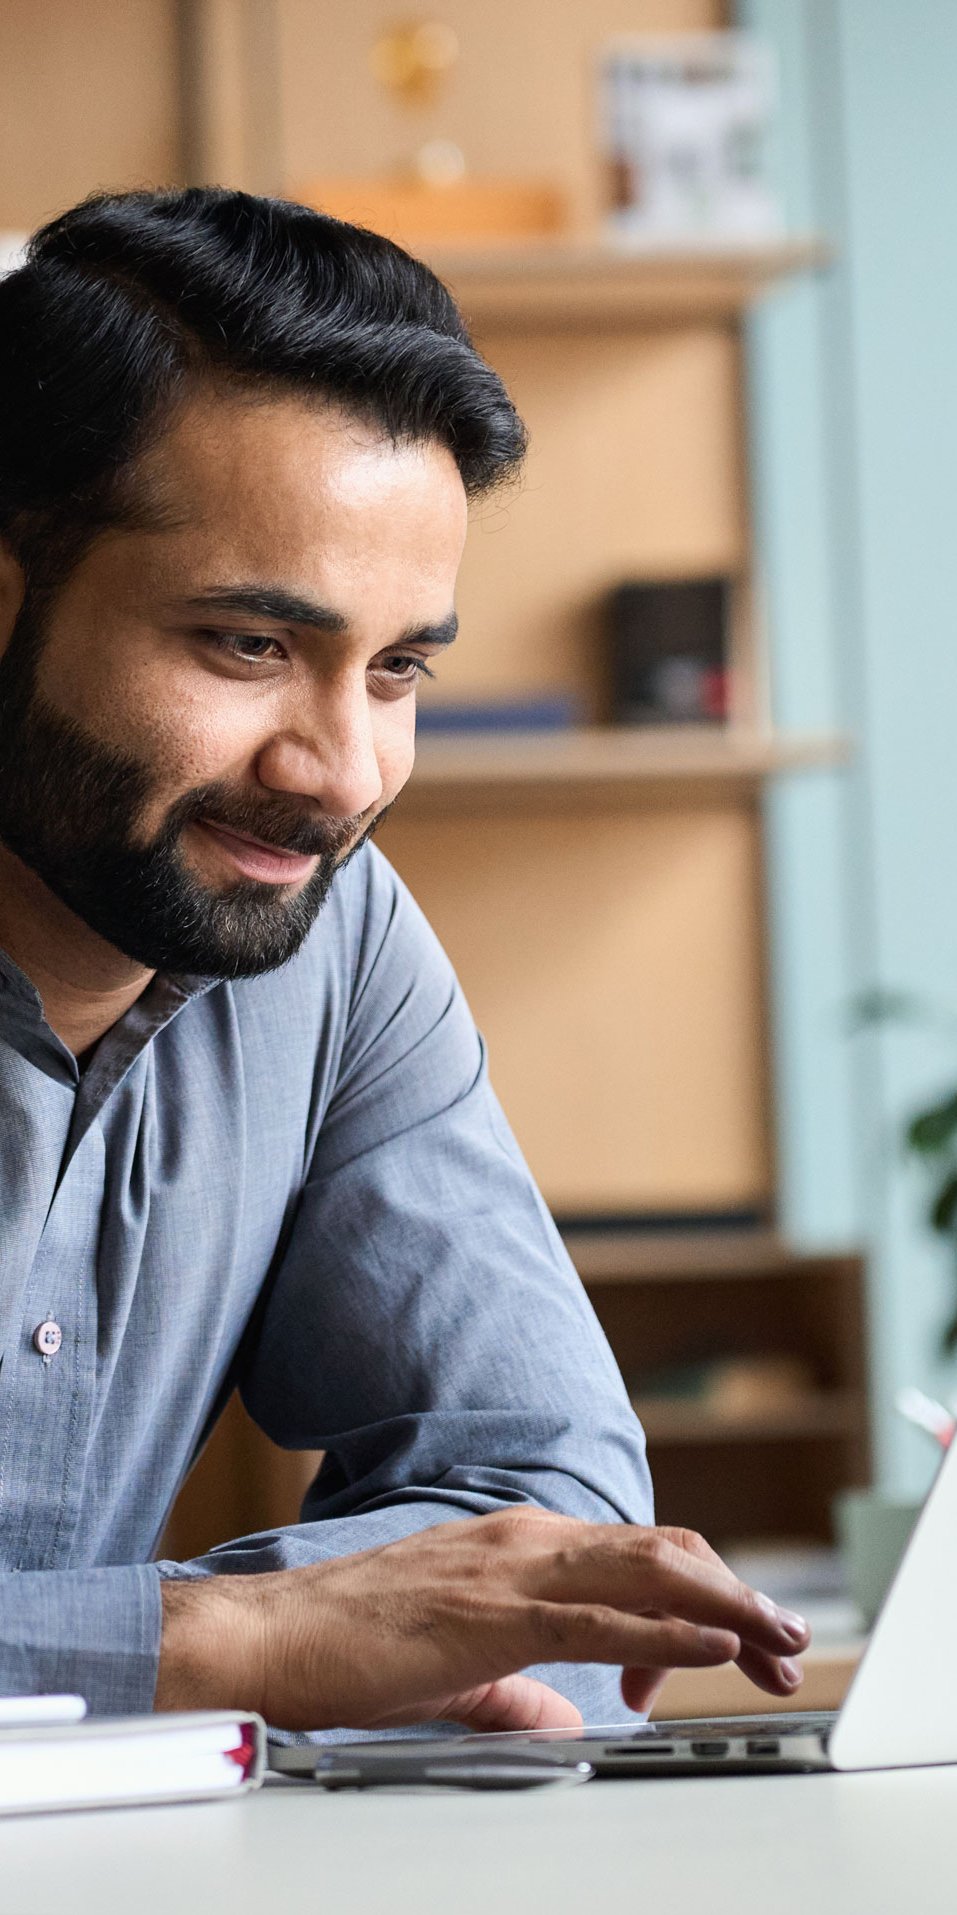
[(24, 1026)]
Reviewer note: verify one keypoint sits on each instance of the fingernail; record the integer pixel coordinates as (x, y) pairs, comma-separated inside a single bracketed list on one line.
[(791, 1671), (792, 1624)]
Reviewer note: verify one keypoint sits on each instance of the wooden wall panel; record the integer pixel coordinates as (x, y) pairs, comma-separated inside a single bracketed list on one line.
[(88, 99), (521, 99), (635, 469), (242, 1483), (613, 963)]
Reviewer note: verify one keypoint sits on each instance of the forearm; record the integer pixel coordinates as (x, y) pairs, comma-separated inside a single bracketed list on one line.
[(217, 1644), (213, 1647)]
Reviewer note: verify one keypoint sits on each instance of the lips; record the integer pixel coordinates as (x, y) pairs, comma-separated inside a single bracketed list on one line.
[(254, 859)]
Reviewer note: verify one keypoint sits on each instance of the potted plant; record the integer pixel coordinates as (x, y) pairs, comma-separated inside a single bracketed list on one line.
[(930, 1134), (874, 1526)]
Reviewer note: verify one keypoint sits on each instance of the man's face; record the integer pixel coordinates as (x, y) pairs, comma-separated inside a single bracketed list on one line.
[(215, 714)]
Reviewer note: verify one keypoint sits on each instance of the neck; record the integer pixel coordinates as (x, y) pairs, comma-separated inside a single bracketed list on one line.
[(84, 983)]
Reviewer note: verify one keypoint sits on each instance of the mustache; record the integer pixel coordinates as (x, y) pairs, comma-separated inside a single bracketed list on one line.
[(277, 822)]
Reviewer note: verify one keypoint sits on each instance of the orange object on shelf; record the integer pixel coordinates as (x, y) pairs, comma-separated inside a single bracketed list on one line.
[(458, 212)]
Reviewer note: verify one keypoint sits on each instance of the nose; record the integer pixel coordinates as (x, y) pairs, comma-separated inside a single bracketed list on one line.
[(328, 754)]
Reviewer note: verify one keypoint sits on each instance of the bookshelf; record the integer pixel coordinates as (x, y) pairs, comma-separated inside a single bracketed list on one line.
[(593, 282), (607, 764), (637, 467), (818, 1413), (658, 837), (666, 1297)]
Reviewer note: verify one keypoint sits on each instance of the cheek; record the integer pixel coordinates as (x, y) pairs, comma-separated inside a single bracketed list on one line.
[(185, 734), (394, 733), (183, 728), (194, 736)]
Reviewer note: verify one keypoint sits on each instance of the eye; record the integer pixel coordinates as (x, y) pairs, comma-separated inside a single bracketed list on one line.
[(405, 667), (248, 648)]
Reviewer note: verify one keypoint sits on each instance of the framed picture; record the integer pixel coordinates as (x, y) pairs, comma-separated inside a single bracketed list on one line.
[(686, 126)]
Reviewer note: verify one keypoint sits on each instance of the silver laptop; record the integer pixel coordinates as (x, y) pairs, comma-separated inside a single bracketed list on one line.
[(899, 1712)]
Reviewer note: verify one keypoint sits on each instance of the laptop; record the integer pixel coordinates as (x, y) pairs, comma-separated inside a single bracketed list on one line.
[(900, 1711)]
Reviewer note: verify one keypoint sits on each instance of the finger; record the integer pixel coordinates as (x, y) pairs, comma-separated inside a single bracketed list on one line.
[(594, 1632), (639, 1687), (779, 1675), (764, 1664), (639, 1570), (694, 1544), (514, 1702), (776, 1674)]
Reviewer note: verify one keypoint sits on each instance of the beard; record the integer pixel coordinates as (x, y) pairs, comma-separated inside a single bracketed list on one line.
[(68, 810)]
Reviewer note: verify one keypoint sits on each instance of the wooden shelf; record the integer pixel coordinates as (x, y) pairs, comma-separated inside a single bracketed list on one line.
[(637, 1256), (726, 1691), (594, 282), (628, 764), (825, 1413)]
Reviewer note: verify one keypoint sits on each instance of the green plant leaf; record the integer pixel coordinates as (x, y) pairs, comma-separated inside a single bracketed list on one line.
[(931, 1131), (883, 1005), (944, 1207)]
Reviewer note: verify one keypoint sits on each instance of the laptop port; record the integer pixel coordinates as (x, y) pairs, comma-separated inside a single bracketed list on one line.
[(763, 1745), (710, 1748), (650, 1747)]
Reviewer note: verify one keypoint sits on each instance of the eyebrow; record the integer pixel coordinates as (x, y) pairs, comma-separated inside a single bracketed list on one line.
[(287, 608)]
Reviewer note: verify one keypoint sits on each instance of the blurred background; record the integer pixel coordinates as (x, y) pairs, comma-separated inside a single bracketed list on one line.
[(682, 812)]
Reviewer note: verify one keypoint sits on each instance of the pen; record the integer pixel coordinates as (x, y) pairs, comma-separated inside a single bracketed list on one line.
[(383, 1769), (40, 1712)]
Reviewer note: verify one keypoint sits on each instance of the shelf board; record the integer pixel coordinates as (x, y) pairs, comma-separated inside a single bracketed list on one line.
[(629, 1257), (825, 1413), (726, 1690), (572, 283), (603, 763)]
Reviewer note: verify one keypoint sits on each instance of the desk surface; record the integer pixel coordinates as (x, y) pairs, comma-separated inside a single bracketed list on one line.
[(860, 1844)]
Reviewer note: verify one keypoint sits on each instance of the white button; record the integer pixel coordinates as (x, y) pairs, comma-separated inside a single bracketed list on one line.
[(47, 1338)]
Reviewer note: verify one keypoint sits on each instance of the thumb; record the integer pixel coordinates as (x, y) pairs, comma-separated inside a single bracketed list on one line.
[(514, 1702)]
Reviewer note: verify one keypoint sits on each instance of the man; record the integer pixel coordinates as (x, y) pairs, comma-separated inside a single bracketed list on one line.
[(248, 1138)]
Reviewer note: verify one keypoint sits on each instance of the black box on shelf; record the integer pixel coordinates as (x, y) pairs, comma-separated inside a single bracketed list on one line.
[(668, 642)]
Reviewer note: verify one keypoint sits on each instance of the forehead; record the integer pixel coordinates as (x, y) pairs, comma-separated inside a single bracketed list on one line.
[(270, 478)]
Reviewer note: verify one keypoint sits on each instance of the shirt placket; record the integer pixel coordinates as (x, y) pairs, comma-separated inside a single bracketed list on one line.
[(49, 1374)]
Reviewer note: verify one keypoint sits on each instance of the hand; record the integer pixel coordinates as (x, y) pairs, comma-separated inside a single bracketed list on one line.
[(435, 1626)]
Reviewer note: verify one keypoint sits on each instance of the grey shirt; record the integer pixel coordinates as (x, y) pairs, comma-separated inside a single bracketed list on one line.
[(302, 1185)]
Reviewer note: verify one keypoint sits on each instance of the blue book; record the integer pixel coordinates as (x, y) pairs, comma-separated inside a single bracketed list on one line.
[(561, 712)]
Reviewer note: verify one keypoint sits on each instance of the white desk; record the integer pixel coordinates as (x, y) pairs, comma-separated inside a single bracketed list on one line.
[(792, 1845)]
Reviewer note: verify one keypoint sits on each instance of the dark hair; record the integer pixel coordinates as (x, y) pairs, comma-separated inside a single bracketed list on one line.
[(128, 298)]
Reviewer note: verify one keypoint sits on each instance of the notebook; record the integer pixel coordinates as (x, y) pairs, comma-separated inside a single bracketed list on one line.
[(111, 1760)]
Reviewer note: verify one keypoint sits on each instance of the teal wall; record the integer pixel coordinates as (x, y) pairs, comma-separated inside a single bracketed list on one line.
[(854, 424)]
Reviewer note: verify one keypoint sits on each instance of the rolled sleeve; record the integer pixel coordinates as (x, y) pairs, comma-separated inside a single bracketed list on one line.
[(88, 1632)]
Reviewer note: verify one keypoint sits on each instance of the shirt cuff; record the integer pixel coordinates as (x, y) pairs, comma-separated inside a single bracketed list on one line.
[(88, 1632)]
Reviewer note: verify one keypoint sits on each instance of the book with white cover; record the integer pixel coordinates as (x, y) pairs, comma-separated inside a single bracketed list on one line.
[(134, 1760)]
